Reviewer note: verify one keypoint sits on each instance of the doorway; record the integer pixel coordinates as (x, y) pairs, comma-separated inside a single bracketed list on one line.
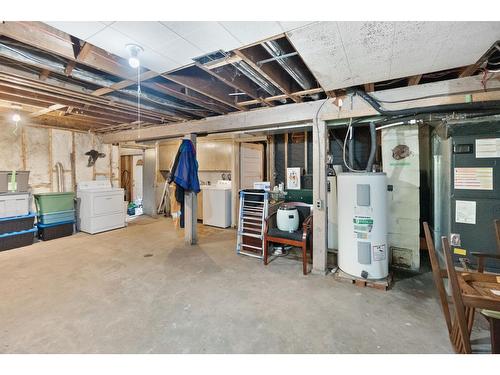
[(251, 164)]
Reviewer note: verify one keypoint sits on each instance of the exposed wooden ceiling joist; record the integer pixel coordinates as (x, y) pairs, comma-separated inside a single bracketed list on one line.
[(15, 75), (54, 41), (414, 80), (201, 83), (271, 99), (267, 72), (236, 82)]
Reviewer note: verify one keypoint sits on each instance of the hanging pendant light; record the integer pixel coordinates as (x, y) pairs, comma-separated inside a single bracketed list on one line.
[(134, 50)]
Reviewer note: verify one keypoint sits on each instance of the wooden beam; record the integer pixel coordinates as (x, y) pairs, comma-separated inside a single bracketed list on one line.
[(414, 80), (44, 111), (54, 94), (173, 89), (303, 112), (202, 83), (320, 227), (69, 68), (222, 62), (237, 83), (267, 72), (468, 70), (44, 74), (270, 99), (190, 208), (51, 40), (369, 87)]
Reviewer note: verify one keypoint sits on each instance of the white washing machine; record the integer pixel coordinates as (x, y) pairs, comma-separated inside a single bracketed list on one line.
[(217, 204), (100, 206)]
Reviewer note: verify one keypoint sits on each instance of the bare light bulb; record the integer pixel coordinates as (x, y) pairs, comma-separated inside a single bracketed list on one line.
[(134, 62), (16, 117), (134, 51)]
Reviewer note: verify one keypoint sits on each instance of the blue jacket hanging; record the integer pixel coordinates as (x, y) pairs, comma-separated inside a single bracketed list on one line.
[(185, 169)]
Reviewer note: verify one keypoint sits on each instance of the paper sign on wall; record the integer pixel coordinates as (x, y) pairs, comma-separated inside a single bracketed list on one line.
[(473, 178), (488, 148), (465, 212)]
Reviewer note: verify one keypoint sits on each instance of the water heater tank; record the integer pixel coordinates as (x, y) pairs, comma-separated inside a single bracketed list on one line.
[(362, 224)]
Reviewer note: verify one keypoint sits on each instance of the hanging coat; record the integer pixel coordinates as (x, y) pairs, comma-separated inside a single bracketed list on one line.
[(185, 174), (185, 169)]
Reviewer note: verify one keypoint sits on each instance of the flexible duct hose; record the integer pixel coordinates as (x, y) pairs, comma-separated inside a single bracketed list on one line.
[(494, 104)]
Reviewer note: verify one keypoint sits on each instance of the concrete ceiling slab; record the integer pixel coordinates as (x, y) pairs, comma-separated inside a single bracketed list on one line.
[(342, 54)]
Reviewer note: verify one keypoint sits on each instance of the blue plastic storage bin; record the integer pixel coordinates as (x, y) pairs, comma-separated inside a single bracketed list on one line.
[(57, 217), (17, 239), (48, 232), (17, 223)]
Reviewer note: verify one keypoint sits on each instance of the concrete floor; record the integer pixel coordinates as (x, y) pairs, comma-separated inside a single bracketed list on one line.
[(140, 290)]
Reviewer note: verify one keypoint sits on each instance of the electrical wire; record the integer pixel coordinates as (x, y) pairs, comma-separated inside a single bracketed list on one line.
[(316, 124), (349, 129), (428, 96)]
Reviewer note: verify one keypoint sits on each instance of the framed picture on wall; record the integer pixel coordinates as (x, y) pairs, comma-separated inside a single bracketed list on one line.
[(293, 178)]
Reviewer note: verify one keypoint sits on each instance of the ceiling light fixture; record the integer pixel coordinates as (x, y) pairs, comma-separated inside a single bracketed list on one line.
[(134, 50), (16, 118)]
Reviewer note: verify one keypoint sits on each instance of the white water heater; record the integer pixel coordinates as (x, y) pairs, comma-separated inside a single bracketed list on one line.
[(362, 224)]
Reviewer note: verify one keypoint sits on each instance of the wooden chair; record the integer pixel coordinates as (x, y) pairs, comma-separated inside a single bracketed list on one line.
[(464, 314), (482, 257), (438, 274), (299, 238)]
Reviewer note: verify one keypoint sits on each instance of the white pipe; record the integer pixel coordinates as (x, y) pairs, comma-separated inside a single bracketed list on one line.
[(60, 177)]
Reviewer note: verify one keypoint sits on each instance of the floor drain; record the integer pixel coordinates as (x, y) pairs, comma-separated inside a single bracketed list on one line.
[(148, 255)]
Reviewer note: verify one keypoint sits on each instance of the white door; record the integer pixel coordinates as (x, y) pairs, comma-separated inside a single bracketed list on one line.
[(251, 164)]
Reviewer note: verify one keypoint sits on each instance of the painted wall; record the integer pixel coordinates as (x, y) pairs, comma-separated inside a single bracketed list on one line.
[(39, 149)]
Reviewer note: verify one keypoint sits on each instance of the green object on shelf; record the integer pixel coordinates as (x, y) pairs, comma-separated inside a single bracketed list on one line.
[(301, 195), (54, 202)]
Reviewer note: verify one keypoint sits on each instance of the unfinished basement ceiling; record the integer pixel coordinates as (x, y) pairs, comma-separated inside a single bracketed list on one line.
[(169, 45), (343, 54), (64, 80)]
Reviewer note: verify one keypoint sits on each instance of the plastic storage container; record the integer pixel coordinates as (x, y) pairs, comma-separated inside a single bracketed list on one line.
[(4, 181), (14, 204), (17, 239), (47, 232), (57, 217), (17, 181), (47, 203), (17, 224)]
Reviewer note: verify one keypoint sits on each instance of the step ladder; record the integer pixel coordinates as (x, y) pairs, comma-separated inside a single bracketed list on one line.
[(253, 211)]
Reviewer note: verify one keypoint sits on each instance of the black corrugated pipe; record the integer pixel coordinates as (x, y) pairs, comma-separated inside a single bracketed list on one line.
[(373, 146), (494, 104), (351, 147)]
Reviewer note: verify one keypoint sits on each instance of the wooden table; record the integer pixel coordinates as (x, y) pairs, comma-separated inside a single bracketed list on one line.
[(482, 290)]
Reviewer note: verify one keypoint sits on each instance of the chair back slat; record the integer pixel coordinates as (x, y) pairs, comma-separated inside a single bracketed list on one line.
[(462, 317), (438, 276)]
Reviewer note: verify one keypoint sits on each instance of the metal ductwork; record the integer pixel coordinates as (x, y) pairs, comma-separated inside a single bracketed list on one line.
[(59, 67), (257, 78), (275, 50)]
